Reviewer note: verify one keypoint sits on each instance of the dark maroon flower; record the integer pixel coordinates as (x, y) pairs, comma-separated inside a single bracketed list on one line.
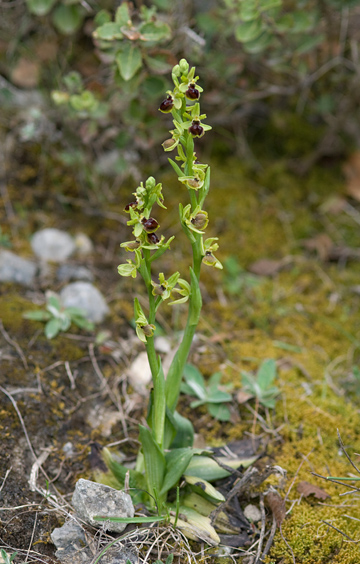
[(150, 225), (153, 238), (196, 129), (192, 92), (131, 205), (167, 105)]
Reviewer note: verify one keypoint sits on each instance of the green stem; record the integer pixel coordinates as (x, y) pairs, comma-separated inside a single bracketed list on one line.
[(150, 347)]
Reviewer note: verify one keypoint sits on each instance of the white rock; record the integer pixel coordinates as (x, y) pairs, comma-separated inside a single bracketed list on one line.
[(16, 269), (162, 344), (83, 244), (85, 296), (252, 513), (139, 374), (53, 245), (90, 499)]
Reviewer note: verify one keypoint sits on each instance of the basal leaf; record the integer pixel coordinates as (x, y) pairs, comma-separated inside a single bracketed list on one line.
[(37, 315), (177, 461), (129, 61), (184, 432), (154, 461)]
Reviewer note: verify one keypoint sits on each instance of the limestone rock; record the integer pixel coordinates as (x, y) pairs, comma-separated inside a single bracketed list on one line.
[(85, 296), (91, 499), (53, 245)]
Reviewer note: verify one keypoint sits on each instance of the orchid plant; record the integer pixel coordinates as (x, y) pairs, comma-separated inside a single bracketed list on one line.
[(166, 452)]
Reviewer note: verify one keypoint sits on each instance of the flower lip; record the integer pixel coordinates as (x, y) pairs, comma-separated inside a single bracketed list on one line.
[(130, 205), (153, 238), (200, 220), (167, 105), (196, 129), (192, 93), (150, 225)]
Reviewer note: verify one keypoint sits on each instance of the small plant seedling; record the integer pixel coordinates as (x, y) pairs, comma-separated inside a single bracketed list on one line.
[(58, 318), (236, 278), (261, 385), (209, 393), (7, 558)]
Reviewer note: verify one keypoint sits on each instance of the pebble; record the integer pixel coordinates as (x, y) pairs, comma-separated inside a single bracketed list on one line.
[(252, 513), (53, 245), (84, 245), (16, 269), (91, 499), (67, 272), (72, 547), (85, 296), (139, 374)]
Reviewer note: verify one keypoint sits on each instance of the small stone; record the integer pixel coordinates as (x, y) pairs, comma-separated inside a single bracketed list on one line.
[(53, 245), (71, 545), (91, 499), (85, 296), (67, 272), (139, 374), (162, 345), (252, 513), (16, 269), (84, 245)]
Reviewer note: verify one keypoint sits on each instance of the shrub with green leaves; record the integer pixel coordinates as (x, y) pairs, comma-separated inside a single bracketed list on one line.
[(67, 17)]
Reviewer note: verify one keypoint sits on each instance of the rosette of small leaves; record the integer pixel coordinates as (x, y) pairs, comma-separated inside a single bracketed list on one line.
[(261, 384), (210, 393), (57, 318)]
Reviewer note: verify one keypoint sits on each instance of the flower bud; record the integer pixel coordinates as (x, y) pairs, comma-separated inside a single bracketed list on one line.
[(192, 93), (196, 129), (150, 225), (167, 105), (131, 205), (176, 70), (184, 66), (148, 330), (150, 183), (153, 238), (200, 220)]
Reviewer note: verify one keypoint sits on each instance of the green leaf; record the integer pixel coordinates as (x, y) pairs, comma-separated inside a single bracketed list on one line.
[(159, 408), (154, 31), (195, 381), (130, 519), (269, 4), (259, 44), (247, 31), (67, 19), (176, 168), (154, 460), (52, 328), (177, 461), (219, 411), (54, 302), (208, 469), (249, 10), (266, 373), (185, 432), (201, 486), (108, 31), (83, 323), (215, 395), (37, 315), (40, 7), (122, 16), (158, 64), (136, 479), (129, 61)]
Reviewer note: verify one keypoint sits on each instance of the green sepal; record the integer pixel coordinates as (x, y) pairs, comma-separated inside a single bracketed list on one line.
[(176, 168)]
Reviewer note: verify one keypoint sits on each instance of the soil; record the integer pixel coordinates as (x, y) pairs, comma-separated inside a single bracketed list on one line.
[(60, 396)]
